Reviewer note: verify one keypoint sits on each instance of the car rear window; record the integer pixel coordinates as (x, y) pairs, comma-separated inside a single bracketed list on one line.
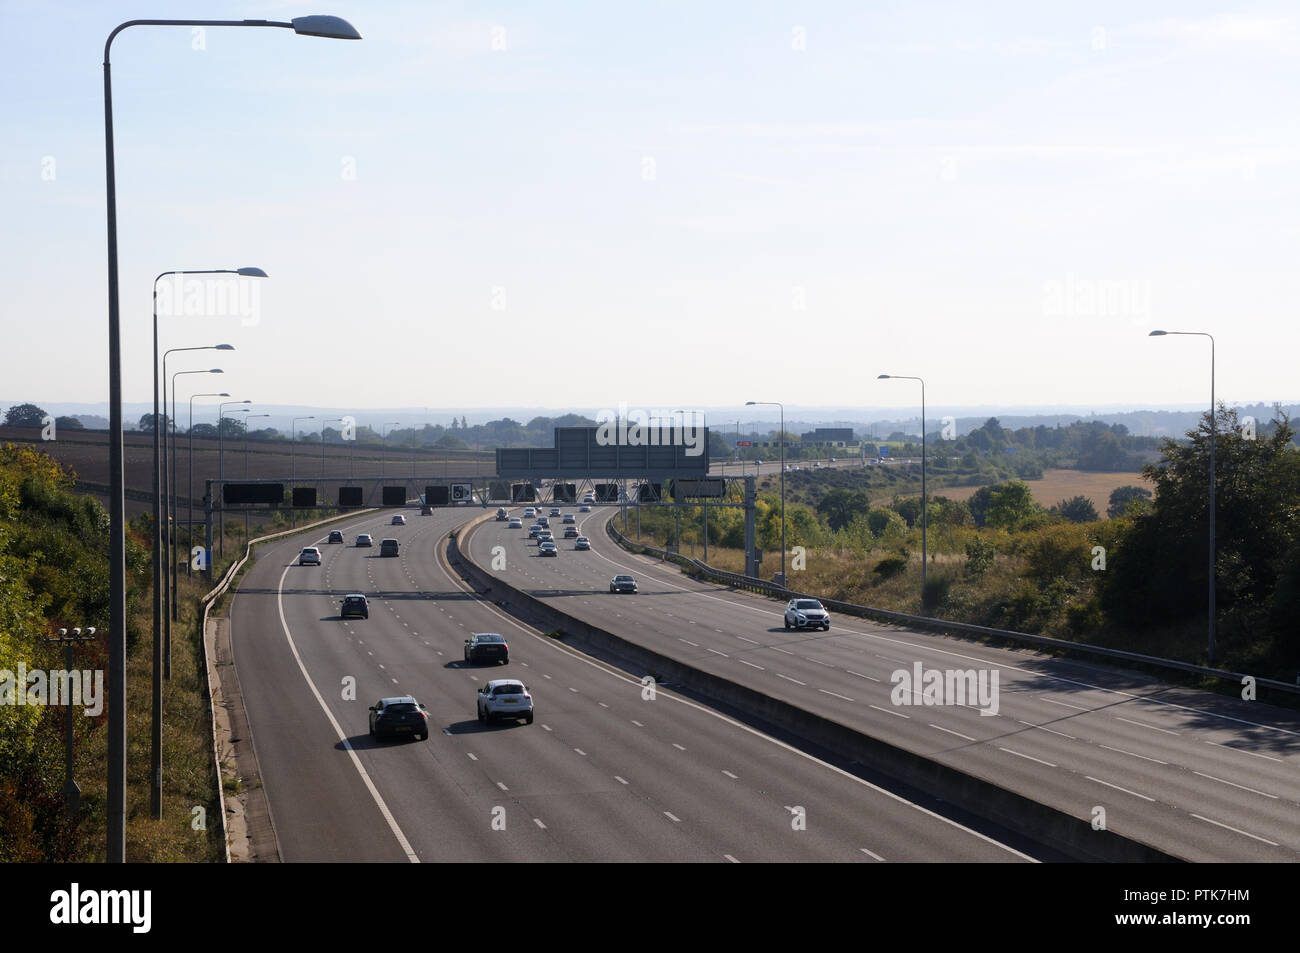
[(400, 707), (491, 638), (515, 689)]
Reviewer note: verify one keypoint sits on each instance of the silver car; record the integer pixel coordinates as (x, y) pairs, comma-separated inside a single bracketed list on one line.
[(807, 614), (310, 556)]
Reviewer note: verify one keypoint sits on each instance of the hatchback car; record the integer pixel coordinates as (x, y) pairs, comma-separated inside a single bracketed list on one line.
[(515, 524), (505, 698), (543, 521), (388, 547), (622, 583), (398, 520), (336, 536), (426, 511), (534, 530), (355, 605), (365, 540), (555, 511), (486, 647), (570, 532), (530, 512), (402, 715), (545, 536), (582, 543), (547, 548), (310, 556), (569, 518), (807, 614)]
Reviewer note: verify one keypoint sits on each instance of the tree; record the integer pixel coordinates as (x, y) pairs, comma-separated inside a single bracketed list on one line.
[(840, 507), (883, 522), (209, 431), (25, 415), (146, 423), (979, 504), (1078, 509), (1122, 496), (68, 423), (1010, 504)]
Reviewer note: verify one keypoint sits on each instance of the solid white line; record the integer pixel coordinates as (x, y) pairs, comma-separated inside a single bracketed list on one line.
[(951, 732), (1118, 788), (845, 697), (1027, 757), (1142, 724), (1235, 785), (870, 854), (1142, 756), (1235, 830), (347, 745)]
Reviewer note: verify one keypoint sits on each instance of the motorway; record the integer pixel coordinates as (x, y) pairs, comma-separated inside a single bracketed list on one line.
[(603, 773), (1201, 776)]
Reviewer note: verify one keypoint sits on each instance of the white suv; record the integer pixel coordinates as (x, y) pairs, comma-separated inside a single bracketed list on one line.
[(505, 698), (807, 614)]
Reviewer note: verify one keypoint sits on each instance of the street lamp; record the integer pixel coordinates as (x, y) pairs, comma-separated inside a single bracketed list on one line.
[(221, 465), (1213, 578), (383, 450), (246, 429), (189, 520), (170, 494), (773, 403), (924, 498), (326, 26), (293, 464)]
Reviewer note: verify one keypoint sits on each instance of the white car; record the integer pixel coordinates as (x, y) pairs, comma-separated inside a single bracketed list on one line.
[(398, 520), (505, 698), (588, 498), (582, 543), (569, 518), (310, 556), (807, 614), (515, 523), (530, 513)]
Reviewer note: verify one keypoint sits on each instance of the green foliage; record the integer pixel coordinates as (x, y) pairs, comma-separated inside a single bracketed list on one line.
[(890, 566), (1078, 509), (980, 554), (840, 507), (886, 524), (1122, 496), (1010, 504), (24, 415)]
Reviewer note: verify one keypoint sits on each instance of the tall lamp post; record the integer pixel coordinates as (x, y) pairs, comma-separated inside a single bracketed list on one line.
[(924, 497), (1213, 578), (169, 480), (773, 403), (293, 464), (383, 439), (221, 465), (246, 429), (189, 519), (326, 26)]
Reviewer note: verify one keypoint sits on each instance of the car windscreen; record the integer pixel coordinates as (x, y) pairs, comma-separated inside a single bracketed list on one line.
[(807, 604)]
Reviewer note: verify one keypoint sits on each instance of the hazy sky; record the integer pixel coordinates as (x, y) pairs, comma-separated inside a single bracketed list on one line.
[(669, 205)]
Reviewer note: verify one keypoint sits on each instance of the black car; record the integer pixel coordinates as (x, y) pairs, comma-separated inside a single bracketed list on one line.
[(388, 547), (486, 647), (622, 583), (402, 715), (355, 604), (336, 536)]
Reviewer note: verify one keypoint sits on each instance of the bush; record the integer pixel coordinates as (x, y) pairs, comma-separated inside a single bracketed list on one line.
[(935, 592), (979, 556), (890, 567)]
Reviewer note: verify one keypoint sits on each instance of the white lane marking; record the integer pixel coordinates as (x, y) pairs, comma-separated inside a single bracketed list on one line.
[(1132, 754), (538, 822), (889, 711), (1236, 785), (783, 651), (636, 682), (581, 752), (1050, 731), (546, 727), (678, 747), (1143, 724), (1118, 788), (672, 817), (871, 854), (789, 679), (1026, 756), (472, 756), (808, 658), (750, 641), (730, 858), (572, 689), (836, 695), (951, 732), (1253, 754), (502, 786), (688, 642), (860, 675), (637, 723), (1053, 701), (716, 652), (1235, 830), (619, 780), (347, 745), (751, 665), (730, 775), (602, 705)]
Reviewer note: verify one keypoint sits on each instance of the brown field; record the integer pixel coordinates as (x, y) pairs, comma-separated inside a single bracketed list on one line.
[(1058, 485)]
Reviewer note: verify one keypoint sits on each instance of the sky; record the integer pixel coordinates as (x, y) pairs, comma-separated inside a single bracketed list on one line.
[(571, 204)]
